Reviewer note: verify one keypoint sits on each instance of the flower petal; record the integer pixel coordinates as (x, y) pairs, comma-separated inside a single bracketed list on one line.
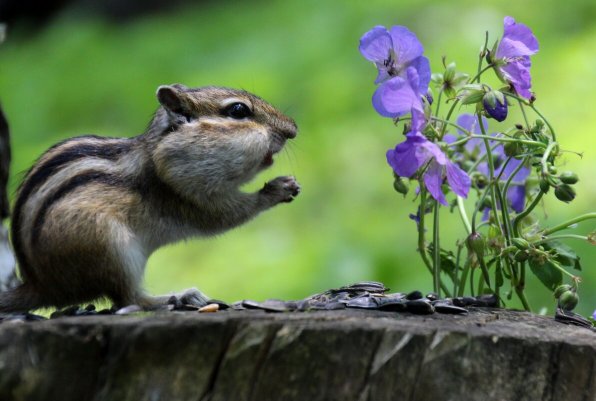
[(518, 40), (432, 150), (433, 179), (458, 180), (395, 98), (375, 44), (517, 195), (517, 73), (406, 158), (470, 123), (406, 45), (422, 66)]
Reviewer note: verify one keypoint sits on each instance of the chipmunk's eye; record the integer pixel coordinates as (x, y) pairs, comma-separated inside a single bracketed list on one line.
[(237, 111)]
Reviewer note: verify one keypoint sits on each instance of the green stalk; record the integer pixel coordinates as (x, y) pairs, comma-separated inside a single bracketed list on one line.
[(520, 217), (531, 105), (462, 281), (437, 251), (491, 169), (421, 240), (566, 224), (464, 216), (562, 236)]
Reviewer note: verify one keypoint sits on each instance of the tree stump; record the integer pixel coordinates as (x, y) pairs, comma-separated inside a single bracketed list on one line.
[(489, 354)]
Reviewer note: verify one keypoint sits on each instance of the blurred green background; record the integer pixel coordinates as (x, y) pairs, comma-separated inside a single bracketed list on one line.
[(83, 73)]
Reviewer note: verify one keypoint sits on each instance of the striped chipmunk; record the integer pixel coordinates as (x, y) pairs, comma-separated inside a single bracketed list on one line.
[(92, 209)]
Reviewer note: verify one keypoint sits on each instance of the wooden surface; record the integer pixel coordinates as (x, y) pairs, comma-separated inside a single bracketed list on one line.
[(327, 355)]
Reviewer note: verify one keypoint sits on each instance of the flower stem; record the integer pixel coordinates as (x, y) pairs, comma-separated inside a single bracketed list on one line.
[(462, 281), (421, 240), (464, 216), (521, 107), (436, 251), (491, 171), (545, 156), (520, 217), (566, 224), (562, 236), (480, 72), (531, 105)]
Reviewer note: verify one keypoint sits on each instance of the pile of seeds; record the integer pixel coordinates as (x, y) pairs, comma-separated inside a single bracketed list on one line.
[(364, 295)]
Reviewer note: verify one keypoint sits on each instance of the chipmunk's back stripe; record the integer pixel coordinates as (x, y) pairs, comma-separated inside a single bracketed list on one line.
[(69, 186), (109, 151)]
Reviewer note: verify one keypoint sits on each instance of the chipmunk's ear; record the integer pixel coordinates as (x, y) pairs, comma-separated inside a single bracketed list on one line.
[(173, 98)]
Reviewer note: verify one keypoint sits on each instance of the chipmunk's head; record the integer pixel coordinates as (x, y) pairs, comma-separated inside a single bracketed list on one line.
[(212, 138)]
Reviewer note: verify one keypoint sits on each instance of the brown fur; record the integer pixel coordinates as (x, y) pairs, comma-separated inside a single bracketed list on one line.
[(91, 210)]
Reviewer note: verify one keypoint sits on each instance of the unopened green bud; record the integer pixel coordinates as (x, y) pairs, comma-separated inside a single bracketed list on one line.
[(449, 72), (521, 256), (475, 242), (568, 177), (539, 123), (561, 289), (552, 169), (401, 185), (544, 184), (467, 165), (564, 193), (568, 300), (520, 243), (481, 181), (512, 149)]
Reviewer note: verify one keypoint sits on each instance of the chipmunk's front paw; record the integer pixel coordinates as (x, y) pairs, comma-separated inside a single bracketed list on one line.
[(281, 189), (189, 297)]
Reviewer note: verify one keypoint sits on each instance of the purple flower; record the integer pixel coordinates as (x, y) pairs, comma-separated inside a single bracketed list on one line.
[(515, 48), (594, 315), (417, 151), (396, 53)]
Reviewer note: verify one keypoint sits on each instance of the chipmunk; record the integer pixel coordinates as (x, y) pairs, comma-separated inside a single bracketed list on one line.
[(92, 209)]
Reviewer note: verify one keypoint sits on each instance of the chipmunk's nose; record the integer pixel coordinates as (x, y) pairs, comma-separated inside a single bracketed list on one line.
[(288, 129)]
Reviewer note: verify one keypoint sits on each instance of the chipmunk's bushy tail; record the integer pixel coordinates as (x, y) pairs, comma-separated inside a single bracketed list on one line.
[(20, 299)]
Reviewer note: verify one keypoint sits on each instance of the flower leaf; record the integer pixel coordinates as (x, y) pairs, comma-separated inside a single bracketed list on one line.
[(547, 273), (566, 256), (472, 97)]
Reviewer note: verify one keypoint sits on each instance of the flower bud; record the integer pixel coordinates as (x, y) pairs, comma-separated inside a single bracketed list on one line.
[(564, 193), (521, 256), (495, 105), (449, 72), (544, 184), (568, 300), (520, 243), (475, 242), (401, 185), (568, 177), (561, 289), (539, 123), (552, 169), (512, 149), (429, 97)]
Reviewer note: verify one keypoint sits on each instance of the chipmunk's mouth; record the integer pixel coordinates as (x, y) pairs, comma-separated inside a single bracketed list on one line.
[(268, 159)]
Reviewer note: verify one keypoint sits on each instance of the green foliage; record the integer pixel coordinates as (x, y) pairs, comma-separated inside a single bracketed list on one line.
[(83, 75)]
